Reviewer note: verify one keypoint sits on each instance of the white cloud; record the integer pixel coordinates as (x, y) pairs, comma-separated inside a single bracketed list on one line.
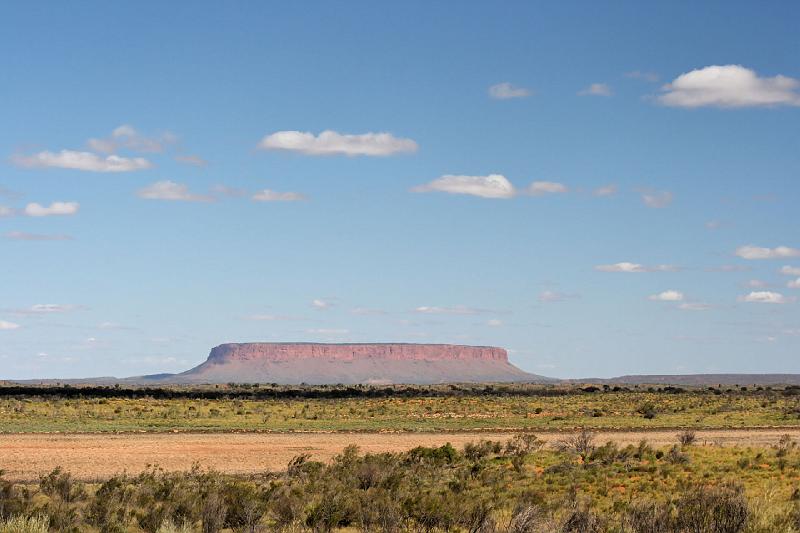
[(55, 208), (193, 160), (25, 236), (6, 211), (333, 143), (605, 190), (455, 310), (794, 284), (787, 270), (494, 322), (657, 199), (540, 188), (765, 297), (126, 136), (668, 296), (729, 86), (694, 306), (321, 304), (506, 91), (596, 89), (755, 252), (273, 196), (634, 268), (5, 326), (169, 190), (88, 161), (49, 308), (491, 186)]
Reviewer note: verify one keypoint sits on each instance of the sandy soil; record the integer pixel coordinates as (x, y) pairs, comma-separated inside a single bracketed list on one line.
[(97, 456)]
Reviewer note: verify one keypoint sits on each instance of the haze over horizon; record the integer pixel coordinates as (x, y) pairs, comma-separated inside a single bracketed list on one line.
[(598, 203)]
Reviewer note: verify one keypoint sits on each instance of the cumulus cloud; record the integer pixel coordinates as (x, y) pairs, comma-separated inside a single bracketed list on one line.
[(668, 296), (755, 252), (494, 322), (765, 297), (273, 196), (634, 268), (25, 236), (491, 186), (5, 326), (126, 136), (596, 89), (334, 143), (787, 270), (729, 86), (6, 211), (55, 208), (87, 161), (756, 284), (507, 91), (605, 190), (540, 188), (169, 190), (656, 199), (794, 284), (455, 310)]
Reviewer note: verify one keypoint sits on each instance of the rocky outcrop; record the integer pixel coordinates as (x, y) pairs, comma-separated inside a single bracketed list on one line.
[(314, 363), (283, 351)]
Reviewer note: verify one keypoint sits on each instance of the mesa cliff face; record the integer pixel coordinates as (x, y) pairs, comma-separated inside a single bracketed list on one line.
[(274, 351), (313, 363)]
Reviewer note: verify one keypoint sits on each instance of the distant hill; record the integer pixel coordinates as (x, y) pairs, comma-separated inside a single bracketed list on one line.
[(696, 380), (379, 363)]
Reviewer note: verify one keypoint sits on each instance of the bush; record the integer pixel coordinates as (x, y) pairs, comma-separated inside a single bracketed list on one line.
[(13, 499), (687, 438), (20, 524), (720, 509), (648, 411), (530, 519), (581, 444), (649, 517)]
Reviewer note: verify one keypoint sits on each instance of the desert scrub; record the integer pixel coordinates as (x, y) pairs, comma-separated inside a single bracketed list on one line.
[(516, 486), (21, 524), (423, 409)]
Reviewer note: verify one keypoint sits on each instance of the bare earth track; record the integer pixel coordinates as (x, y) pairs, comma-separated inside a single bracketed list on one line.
[(91, 457)]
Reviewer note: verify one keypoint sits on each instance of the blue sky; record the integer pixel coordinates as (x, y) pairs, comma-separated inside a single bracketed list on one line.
[(600, 188)]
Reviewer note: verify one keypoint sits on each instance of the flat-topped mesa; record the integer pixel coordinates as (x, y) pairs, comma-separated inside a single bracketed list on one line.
[(281, 351)]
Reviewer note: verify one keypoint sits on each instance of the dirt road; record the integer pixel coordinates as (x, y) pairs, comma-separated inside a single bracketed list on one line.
[(97, 456)]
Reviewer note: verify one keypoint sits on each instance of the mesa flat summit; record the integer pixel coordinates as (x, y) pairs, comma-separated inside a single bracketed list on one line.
[(378, 363)]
